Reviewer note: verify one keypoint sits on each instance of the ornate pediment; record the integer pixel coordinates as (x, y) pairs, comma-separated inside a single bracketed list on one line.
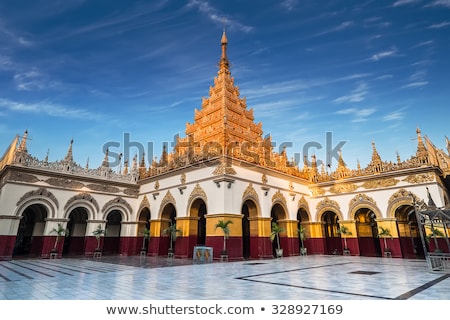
[(82, 196), (327, 203), (250, 192), (278, 196)]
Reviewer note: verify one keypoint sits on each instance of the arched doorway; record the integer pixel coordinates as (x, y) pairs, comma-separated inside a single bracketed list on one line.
[(332, 237), (249, 210), (168, 216), (302, 217), (29, 238), (367, 231), (198, 209), (408, 232), (277, 213), (112, 237), (144, 224), (74, 242)]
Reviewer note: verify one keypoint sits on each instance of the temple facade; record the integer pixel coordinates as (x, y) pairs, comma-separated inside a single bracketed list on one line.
[(223, 170)]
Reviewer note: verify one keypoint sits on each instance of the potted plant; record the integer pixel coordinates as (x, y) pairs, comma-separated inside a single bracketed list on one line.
[(343, 230), (276, 230), (173, 232), (302, 235), (385, 233), (434, 234), (145, 236), (60, 231), (98, 233), (224, 225)]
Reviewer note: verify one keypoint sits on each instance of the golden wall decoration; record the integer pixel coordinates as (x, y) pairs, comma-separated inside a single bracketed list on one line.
[(380, 183), (400, 194), (197, 192), (264, 179), (250, 192), (343, 188), (420, 178), (327, 203), (315, 192), (168, 198), (302, 203), (278, 196), (144, 204)]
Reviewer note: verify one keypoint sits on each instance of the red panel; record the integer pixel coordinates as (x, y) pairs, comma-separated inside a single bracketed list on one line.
[(367, 247), (260, 248), (316, 245), (7, 247), (353, 245), (91, 245), (130, 245), (182, 247), (37, 243), (74, 246), (153, 246)]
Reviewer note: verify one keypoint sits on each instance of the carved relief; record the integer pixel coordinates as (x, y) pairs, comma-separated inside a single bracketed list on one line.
[(39, 192), (183, 178), (343, 188), (380, 183), (327, 203), (22, 177), (144, 204), (420, 178), (402, 193), (66, 183), (168, 198), (302, 203), (315, 192), (278, 196), (223, 169), (116, 201), (82, 196), (156, 185), (103, 188), (250, 192), (197, 192), (264, 179), (365, 200), (131, 191)]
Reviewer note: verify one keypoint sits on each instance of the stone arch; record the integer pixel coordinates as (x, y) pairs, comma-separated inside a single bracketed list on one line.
[(145, 204), (328, 205), (399, 198), (40, 196), (279, 198), (197, 193), (84, 200), (363, 201), (119, 204), (251, 196), (168, 199), (303, 204)]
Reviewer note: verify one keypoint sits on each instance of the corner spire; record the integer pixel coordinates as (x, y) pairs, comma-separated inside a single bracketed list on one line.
[(224, 63), (69, 155)]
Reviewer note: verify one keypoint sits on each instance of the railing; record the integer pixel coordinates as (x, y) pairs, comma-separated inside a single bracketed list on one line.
[(439, 262)]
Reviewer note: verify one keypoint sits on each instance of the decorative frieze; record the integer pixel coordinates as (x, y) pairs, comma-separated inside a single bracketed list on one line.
[(65, 183), (103, 188), (316, 192), (380, 183), (420, 178), (22, 177), (343, 188)]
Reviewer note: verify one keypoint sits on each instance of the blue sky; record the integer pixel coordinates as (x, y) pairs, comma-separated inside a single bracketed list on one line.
[(101, 71)]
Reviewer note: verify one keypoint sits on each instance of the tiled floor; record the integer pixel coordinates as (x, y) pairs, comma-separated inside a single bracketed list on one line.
[(136, 278)]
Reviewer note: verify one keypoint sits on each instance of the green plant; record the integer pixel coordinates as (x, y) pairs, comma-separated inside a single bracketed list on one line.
[(98, 233), (60, 232), (344, 231), (145, 236), (224, 225), (276, 230), (173, 232), (434, 234), (302, 234), (384, 233)]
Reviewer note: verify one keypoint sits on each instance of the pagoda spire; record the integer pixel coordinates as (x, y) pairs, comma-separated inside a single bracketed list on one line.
[(23, 142), (376, 165), (224, 63), (69, 155), (422, 153)]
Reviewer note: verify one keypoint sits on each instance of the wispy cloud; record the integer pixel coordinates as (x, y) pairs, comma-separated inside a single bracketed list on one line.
[(404, 2), (13, 37), (289, 4), (439, 25), (356, 95), (424, 44), (33, 80), (342, 26), (359, 115), (395, 115), (49, 109), (439, 3), (217, 17), (384, 54), (415, 84)]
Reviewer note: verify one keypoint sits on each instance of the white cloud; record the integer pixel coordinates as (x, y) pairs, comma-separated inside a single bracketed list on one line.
[(384, 54), (394, 116), (289, 4), (359, 115), (439, 3), (356, 95), (404, 2), (439, 25), (217, 17), (415, 84)]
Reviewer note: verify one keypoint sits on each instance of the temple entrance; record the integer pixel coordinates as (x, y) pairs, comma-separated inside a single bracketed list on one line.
[(74, 242), (198, 209), (29, 238), (367, 231), (332, 237), (408, 232), (143, 224), (302, 217), (249, 210), (112, 237), (168, 216), (277, 213)]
